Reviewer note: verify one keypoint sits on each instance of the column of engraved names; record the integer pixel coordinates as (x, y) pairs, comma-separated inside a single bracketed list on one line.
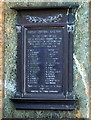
[(44, 74)]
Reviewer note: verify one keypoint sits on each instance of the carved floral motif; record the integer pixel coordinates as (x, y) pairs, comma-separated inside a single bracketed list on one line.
[(49, 19), (18, 29)]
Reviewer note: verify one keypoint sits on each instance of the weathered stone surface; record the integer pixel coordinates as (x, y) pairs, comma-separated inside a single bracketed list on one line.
[(81, 65), (1, 56)]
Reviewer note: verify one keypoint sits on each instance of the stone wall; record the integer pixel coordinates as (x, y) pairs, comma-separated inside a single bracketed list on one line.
[(90, 59), (81, 67), (1, 56)]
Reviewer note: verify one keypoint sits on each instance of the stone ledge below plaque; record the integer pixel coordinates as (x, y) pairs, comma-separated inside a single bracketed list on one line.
[(26, 104)]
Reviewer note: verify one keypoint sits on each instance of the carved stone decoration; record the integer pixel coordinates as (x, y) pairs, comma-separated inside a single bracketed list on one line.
[(18, 29), (49, 19)]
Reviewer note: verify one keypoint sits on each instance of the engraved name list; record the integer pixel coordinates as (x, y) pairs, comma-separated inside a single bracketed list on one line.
[(44, 55)]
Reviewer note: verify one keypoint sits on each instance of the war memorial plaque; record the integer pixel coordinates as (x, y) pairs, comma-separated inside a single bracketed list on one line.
[(44, 58)]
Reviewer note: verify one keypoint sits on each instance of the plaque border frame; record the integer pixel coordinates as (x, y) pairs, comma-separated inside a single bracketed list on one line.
[(21, 102)]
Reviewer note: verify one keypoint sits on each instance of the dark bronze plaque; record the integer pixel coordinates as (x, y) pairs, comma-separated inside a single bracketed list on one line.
[(44, 59)]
